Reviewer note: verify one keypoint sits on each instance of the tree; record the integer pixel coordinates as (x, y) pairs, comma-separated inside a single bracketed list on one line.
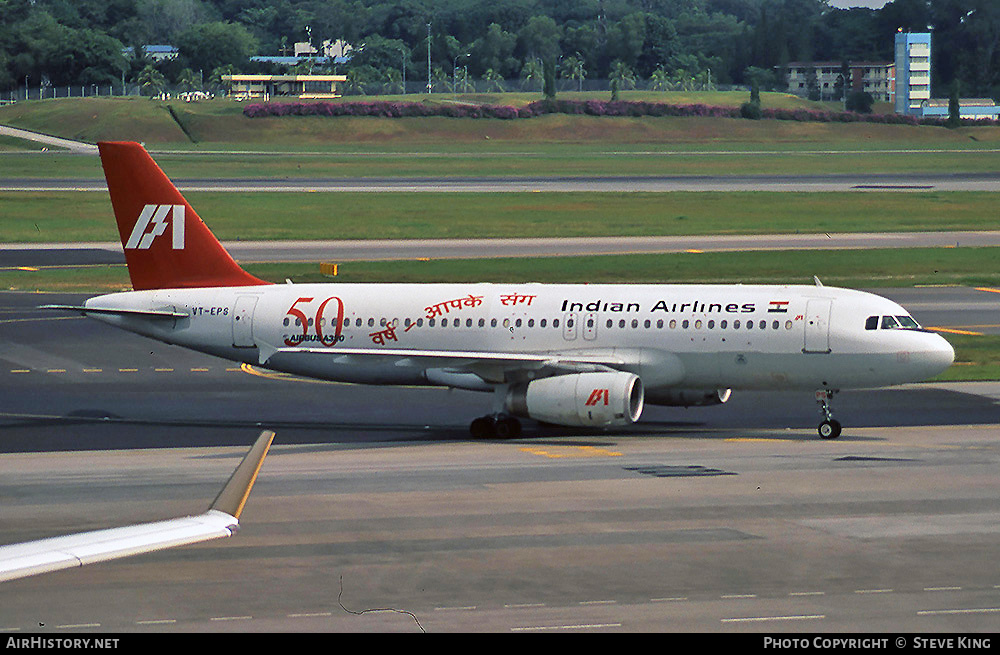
[(572, 69), (549, 74), (860, 102), (954, 106), (494, 81), (621, 77), (532, 73), (151, 80), (209, 45)]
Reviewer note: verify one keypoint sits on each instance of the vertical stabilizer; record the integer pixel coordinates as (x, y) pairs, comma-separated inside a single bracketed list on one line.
[(167, 246)]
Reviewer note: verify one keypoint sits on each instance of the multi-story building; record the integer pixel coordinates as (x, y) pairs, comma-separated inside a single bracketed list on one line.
[(873, 77), (913, 83), (913, 71)]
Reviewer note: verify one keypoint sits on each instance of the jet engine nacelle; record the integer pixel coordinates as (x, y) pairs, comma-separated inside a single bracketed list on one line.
[(584, 399), (688, 397)]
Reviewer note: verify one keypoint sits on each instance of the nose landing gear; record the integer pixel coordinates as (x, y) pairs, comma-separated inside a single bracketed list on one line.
[(829, 427)]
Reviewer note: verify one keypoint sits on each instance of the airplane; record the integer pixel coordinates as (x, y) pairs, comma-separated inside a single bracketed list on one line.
[(566, 354), (222, 519)]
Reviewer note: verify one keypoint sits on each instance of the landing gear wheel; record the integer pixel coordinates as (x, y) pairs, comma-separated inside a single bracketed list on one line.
[(508, 428), (829, 429), (483, 427)]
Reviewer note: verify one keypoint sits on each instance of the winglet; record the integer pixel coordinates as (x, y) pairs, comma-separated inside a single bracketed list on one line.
[(234, 495)]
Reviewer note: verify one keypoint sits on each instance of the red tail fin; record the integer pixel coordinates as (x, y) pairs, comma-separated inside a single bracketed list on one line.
[(167, 246)]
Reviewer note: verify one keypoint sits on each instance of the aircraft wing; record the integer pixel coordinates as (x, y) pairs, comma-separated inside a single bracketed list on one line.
[(220, 520), (489, 365)]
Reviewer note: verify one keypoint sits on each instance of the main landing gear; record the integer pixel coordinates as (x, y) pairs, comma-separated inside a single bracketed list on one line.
[(495, 427), (829, 427)]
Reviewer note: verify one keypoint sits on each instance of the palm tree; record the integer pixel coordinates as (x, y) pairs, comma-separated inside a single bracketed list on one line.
[(574, 70), (494, 81), (152, 79), (659, 80), (622, 76), (187, 80), (533, 72)]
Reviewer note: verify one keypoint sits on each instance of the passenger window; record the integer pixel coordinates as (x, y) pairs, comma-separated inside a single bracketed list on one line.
[(788, 325), (555, 322), (723, 324), (673, 324), (774, 325), (736, 325), (531, 322), (889, 323), (621, 323), (482, 322), (610, 322), (684, 324), (493, 322), (697, 325), (444, 322), (468, 322), (711, 325), (517, 323), (871, 323), (541, 323), (659, 324)]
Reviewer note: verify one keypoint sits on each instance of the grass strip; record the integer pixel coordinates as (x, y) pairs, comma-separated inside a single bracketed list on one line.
[(38, 217), (848, 268)]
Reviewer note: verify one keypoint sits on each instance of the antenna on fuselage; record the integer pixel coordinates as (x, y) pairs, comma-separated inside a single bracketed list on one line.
[(816, 280)]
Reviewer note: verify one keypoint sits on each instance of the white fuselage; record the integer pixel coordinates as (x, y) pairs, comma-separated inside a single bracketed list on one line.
[(671, 336)]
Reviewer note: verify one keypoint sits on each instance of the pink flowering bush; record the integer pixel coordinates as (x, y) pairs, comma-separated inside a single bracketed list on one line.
[(552, 106)]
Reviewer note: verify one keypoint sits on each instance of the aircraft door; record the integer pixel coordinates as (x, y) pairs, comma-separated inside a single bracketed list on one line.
[(243, 322), (817, 337)]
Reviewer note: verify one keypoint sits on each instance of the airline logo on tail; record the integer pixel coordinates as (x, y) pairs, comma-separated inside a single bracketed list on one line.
[(152, 223)]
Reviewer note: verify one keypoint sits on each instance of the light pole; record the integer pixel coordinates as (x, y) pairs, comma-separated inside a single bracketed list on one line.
[(428, 57), (402, 54), (454, 72)]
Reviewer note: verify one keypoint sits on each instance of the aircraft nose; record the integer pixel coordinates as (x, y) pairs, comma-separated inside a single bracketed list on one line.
[(938, 355)]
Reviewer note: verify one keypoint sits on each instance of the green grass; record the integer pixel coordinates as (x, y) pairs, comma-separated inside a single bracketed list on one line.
[(520, 160), (976, 358), (849, 268), (220, 123), (73, 216)]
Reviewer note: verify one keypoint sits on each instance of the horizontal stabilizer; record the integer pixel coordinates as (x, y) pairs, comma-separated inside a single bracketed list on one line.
[(154, 313)]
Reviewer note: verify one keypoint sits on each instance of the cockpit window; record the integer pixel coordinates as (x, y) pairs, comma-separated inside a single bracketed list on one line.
[(891, 323)]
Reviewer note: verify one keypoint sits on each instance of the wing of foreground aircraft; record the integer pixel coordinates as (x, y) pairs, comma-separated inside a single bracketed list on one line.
[(220, 520)]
